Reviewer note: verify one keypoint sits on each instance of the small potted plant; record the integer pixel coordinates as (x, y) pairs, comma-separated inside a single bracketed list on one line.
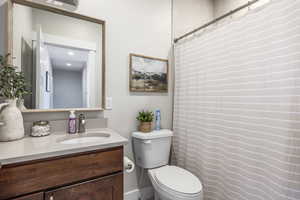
[(12, 88), (145, 118)]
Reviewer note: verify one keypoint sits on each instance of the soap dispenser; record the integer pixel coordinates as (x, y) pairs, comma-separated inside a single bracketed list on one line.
[(72, 122)]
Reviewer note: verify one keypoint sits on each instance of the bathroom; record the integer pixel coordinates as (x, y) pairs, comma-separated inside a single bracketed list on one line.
[(149, 28)]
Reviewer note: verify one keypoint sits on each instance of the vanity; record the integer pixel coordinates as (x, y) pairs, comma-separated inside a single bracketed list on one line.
[(60, 167)]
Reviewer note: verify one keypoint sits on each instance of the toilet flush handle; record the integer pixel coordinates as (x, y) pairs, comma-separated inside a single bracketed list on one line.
[(147, 141)]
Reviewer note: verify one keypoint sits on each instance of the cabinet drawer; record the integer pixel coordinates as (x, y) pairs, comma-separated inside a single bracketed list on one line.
[(40, 175), (108, 188)]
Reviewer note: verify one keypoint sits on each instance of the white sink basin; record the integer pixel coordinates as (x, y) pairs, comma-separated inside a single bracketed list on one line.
[(84, 138)]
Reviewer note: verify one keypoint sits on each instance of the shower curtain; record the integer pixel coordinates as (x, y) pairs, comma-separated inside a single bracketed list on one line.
[(237, 105)]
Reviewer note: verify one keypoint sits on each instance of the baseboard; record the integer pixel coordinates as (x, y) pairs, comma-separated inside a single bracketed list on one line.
[(142, 194), (132, 195)]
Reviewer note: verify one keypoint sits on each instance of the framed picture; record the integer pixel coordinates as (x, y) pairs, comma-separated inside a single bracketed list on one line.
[(148, 74)]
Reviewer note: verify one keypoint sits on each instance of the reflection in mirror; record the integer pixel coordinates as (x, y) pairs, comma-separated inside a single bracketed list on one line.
[(61, 58)]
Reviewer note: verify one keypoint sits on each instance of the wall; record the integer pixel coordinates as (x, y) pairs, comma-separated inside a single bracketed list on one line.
[(70, 81), (223, 6), (190, 14), (133, 26)]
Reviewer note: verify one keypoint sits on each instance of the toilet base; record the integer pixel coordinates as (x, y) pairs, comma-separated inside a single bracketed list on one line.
[(160, 194), (160, 197)]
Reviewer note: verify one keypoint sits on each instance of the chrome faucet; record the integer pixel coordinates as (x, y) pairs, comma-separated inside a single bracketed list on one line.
[(81, 124)]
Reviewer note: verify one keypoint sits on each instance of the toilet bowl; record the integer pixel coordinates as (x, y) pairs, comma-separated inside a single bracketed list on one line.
[(174, 183), (152, 152)]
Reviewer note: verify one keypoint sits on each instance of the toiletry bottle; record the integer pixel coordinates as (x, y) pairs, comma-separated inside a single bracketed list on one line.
[(72, 122), (157, 120)]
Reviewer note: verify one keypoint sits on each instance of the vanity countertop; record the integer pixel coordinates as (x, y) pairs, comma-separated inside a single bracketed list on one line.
[(34, 148)]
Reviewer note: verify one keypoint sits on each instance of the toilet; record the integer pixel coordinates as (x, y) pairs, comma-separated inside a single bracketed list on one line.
[(152, 152)]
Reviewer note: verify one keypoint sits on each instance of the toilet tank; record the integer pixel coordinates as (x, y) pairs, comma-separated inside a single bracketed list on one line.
[(152, 149)]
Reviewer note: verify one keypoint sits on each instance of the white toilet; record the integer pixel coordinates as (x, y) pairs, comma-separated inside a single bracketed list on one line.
[(152, 151)]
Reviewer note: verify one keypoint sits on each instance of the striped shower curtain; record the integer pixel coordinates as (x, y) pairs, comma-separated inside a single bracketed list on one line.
[(237, 105)]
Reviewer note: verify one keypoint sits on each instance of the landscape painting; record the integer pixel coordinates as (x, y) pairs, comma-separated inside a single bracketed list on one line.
[(148, 74)]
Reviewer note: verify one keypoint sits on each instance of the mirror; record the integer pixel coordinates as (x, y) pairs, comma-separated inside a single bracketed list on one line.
[(62, 57)]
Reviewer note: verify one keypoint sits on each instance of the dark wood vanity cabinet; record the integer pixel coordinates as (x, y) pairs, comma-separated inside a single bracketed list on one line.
[(94, 175)]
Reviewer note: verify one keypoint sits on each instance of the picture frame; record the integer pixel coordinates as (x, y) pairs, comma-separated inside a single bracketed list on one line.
[(148, 74)]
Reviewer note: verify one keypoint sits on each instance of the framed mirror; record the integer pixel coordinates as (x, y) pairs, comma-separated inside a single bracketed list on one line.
[(62, 55)]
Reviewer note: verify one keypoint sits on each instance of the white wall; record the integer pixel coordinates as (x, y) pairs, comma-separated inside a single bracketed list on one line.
[(70, 81), (190, 14), (223, 6), (133, 26)]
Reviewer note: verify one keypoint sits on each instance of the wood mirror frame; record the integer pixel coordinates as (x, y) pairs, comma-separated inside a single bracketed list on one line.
[(9, 45)]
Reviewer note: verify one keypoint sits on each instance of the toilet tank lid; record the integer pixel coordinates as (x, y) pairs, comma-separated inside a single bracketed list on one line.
[(153, 134)]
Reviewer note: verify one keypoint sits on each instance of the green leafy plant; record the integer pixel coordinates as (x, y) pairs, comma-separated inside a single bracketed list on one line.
[(145, 116), (12, 82)]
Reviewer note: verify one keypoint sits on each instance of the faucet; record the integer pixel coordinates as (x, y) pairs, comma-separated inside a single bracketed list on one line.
[(81, 124)]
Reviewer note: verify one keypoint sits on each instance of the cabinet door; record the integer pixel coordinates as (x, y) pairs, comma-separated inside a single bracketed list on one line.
[(37, 196), (108, 188)]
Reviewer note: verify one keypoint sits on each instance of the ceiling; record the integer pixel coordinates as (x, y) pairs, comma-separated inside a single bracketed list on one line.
[(69, 59)]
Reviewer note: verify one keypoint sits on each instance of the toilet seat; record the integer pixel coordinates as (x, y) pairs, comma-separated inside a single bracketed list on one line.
[(176, 181)]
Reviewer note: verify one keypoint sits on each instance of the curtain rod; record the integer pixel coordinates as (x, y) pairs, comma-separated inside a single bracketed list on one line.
[(216, 20)]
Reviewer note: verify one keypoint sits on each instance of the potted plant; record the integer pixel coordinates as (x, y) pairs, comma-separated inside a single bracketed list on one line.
[(12, 88), (145, 118)]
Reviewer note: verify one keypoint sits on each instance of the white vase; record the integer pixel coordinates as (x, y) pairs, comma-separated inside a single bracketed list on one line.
[(11, 121)]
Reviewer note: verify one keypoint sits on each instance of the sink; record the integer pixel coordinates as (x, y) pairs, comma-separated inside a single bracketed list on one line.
[(84, 138)]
